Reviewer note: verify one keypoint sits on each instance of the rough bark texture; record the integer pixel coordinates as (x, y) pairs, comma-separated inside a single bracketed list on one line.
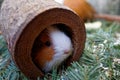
[(22, 21)]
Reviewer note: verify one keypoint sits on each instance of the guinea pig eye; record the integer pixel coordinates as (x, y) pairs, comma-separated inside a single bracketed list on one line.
[(47, 43)]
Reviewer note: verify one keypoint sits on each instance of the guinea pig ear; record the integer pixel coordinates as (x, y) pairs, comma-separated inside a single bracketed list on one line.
[(37, 45), (39, 41), (51, 28)]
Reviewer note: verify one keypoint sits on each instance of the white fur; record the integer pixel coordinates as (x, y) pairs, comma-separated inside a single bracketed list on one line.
[(60, 1), (61, 43)]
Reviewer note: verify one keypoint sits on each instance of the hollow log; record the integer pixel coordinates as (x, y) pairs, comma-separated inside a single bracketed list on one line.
[(21, 21)]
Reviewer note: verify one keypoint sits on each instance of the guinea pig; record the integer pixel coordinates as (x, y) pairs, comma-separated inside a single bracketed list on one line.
[(54, 48)]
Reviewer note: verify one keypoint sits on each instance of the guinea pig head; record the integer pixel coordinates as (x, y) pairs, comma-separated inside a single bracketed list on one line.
[(44, 50), (55, 47)]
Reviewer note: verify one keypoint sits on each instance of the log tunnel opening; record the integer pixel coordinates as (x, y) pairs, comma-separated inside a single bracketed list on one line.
[(38, 44)]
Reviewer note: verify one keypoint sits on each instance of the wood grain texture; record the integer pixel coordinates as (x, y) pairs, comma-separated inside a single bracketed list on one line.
[(21, 21)]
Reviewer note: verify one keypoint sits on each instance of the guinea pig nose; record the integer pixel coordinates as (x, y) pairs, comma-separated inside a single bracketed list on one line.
[(66, 51)]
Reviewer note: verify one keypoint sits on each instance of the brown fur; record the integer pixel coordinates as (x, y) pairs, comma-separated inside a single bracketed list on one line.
[(45, 53)]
